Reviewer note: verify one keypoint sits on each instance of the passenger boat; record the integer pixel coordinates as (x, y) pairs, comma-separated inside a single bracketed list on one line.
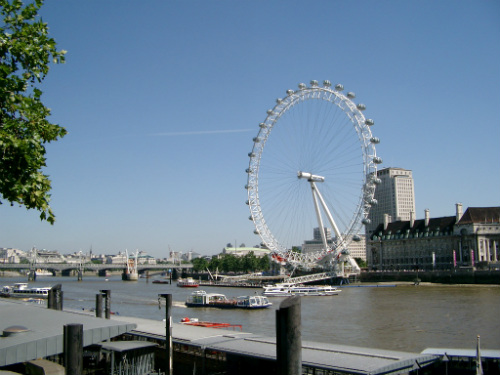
[(41, 272), (291, 289), (21, 290), (203, 299), (188, 283), (252, 302)]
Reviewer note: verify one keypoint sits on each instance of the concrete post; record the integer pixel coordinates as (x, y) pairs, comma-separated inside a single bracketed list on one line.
[(168, 333), (288, 337), (73, 349)]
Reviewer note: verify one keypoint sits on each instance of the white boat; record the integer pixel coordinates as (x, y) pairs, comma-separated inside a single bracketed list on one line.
[(200, 298), (252, 302), (203, 299), (22, 290), (291, 289), (41, 272), (188, 283)]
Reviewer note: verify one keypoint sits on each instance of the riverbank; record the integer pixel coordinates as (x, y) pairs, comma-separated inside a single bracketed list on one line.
[(459, 276)]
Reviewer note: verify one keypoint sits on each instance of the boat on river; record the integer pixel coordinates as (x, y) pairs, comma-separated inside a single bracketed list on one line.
[(188, 283), (203, 299), (42, 272), (197, 323), (22, 290), (161, 282), (253, 302), (291, 289)]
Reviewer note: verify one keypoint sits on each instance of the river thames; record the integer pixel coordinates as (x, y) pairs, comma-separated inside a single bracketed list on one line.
[(405, 317)]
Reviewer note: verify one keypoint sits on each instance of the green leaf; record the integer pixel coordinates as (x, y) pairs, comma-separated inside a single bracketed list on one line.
[(25, 54)]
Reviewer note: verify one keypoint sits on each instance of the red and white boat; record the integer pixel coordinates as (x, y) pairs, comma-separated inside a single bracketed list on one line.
[(188, 283), (195, 322)]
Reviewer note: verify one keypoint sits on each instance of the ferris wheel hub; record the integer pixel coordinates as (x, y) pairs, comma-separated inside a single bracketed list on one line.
[(310, 176)]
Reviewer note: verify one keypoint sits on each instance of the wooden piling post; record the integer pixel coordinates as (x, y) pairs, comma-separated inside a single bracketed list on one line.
[(289, 337), (73, 349)]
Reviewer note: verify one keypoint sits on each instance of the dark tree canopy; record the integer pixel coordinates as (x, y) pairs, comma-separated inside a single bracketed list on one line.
[(26, 52)]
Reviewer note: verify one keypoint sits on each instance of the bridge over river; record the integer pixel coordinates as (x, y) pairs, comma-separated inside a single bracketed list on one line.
[(67, 269)]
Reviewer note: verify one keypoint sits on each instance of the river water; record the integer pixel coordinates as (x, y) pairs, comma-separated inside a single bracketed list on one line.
[(407, 318)]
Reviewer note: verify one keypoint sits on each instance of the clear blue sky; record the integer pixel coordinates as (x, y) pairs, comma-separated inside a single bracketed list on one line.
[(161, 100)]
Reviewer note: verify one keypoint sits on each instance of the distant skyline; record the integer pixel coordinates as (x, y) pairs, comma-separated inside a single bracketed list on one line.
[(161, 101)]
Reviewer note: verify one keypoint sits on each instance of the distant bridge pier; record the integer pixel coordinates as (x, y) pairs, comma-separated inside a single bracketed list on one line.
[(66, 272), (32, 275), (102, 273)]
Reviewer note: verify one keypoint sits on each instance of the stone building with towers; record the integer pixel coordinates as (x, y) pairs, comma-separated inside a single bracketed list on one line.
[(469, 239)]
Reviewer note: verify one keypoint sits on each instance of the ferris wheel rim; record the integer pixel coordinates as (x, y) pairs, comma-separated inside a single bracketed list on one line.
[(370, 160)]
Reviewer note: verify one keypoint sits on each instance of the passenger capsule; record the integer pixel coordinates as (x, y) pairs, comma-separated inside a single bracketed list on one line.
[(279, 101), (377, 160), (250, 218), (262, 125), (246, 187), (251, 154), (369, 122), (256, 139), (373, 202), (289, 92), (247, 202), (327, 83), (366, 221), (375, 140), (314, 83), (269, 111), (339, 87), (356, 238), (361, 107), (248, 170), (302, 86), (256, 231), (351, 95), (377, 181)]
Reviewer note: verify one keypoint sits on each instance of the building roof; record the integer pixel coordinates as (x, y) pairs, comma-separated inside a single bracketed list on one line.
[(480, 215), (231, 248), (125, 346), (44, 331), (322, 355), (464, 353), (440, 224)]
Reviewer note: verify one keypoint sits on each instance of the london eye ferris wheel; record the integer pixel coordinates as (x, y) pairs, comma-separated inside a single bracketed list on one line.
[(313, 165)]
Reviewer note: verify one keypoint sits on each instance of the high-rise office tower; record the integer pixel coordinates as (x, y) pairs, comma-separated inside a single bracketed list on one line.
[(395, 196)]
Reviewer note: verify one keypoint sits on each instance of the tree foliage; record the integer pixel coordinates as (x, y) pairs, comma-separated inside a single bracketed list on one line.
[(26, 52), (231, 263), (199, 264)]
